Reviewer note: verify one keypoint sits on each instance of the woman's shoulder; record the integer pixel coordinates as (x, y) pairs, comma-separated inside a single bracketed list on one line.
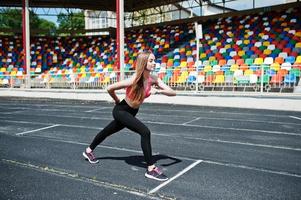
[(154, 78)]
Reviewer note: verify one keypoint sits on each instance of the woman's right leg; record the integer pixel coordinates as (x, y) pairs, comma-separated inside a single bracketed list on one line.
[(111, 128)]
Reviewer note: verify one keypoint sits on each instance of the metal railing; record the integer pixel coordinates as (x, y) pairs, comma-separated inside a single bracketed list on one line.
[(179, 80)]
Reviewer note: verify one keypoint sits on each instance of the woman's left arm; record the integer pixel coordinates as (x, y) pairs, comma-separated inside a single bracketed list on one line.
[(163, 88)]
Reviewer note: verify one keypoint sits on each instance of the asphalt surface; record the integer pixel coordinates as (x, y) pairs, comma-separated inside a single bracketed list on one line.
[(207, 152)]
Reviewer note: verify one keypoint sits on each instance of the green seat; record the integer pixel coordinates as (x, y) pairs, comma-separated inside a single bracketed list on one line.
[(165, 79), (243, 79), (262, 48), (209, 73), (295, 71), (266, 79), (229, 73), (249, 61), (213, 62), (265, 67)]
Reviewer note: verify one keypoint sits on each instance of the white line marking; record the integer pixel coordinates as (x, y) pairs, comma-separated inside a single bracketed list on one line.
[(191, 121), (226, 128), (174, 177), (78, 177), (147, 109), (175, 124), (181, 157), (88, 111), (180, 136), (252, 168), (246, 143), (295, 117), (38, 129)]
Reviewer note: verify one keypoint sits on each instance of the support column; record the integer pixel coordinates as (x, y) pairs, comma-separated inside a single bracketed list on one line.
[(26, 41), (120, 36)]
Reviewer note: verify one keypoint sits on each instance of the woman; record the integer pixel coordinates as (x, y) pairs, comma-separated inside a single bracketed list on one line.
[(138, 87)]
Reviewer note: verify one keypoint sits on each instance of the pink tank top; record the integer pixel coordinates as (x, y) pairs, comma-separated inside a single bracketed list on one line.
[(147, 89)]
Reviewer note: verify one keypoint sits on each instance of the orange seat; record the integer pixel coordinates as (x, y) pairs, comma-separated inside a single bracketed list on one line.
[(240, 61), (243, 67), (276, 79), (279, 60), (222, 62), (282, 72)]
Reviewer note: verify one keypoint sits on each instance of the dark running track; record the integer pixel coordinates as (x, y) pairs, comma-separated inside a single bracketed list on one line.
[(208, 152)]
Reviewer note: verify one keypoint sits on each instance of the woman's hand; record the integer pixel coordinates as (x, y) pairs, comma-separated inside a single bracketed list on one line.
[(117, 101), (155, 91)]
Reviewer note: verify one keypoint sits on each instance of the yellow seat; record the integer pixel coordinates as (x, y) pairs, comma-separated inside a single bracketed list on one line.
[(184, 74), (298, 34), (219, 79), (203, 55), (13, 73), (267, 52), (298, 45), (248, 72), (106, 80), (298, 60), (275, 66), (3, 69), (188, 53), (234, 67), (258, 61), (183, 64), (227, 46), (211, 58), (241, 53), (266, 43), (207, 68), (246, 42)]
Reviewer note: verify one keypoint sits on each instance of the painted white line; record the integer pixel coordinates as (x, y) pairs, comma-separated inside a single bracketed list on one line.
[(175, 124), (191, 121), (167, 110), (226, 128), (295, 117), (246, 143), (166, 135), (49, 105), (88, 111), (182, 158), (253, 168), (22, 133), (78, 177), (174, 177)]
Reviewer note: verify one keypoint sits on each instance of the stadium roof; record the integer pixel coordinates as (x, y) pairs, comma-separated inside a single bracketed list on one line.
[(108, 5)]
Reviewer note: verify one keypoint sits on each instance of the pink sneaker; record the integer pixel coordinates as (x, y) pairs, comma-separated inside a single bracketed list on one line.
[(90, 157), (156, 174)]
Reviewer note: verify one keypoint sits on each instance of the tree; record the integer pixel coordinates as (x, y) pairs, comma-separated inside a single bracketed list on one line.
[(12, 19), (47, 25), (71, 21)]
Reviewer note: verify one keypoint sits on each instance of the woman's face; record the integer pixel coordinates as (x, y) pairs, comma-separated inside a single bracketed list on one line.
[(151, 63)]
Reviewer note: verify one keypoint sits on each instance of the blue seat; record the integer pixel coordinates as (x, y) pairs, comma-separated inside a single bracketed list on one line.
[(290, 79), (290, 59), (270, 72)]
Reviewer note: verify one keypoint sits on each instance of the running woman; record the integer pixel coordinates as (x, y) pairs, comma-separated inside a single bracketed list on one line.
[(138, 87)]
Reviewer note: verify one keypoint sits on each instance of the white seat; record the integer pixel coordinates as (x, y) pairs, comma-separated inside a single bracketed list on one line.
[(268, 60), (282, 54), (286, 66), (238, 73)]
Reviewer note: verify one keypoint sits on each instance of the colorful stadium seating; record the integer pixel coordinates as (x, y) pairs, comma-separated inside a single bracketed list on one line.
[(233, 50)]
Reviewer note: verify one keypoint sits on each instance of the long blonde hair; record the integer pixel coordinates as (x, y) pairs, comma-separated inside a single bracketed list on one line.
[(137, 89)]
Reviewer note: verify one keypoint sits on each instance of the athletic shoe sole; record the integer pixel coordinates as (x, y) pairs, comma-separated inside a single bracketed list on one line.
[(152, 177), (90, 161)]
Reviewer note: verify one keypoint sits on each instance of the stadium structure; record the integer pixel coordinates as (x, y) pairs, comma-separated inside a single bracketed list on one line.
[(199, 45)]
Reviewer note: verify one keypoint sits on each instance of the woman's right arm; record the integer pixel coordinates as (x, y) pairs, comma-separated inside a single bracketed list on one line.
[(119, 85)]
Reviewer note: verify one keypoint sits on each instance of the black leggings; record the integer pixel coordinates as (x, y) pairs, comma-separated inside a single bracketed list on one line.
[(124, 116)]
